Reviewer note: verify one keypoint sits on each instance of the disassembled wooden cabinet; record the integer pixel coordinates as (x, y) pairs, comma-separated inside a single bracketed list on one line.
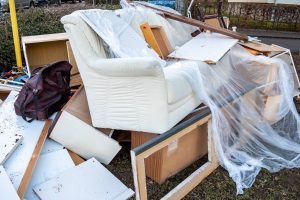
[(75, 122), (89, 180), (156, 37), (179, 154), (142, 155), (40, 50)]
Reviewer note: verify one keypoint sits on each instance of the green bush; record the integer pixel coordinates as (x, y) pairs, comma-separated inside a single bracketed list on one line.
[(34, 21)]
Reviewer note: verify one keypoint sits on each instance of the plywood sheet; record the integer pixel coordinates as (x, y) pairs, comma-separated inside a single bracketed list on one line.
[(84, 139), (17, 163), (207, 47), (49, 165), (261, 47), (8, 143), (7, 190), (89, 181)]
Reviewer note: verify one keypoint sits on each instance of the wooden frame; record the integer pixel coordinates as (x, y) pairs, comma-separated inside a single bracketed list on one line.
[(139, 154)]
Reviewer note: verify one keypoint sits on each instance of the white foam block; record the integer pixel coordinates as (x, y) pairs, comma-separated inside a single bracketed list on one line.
[(49, 165), (8, 143), (16, 164), (89, 181), (84, 139), (7, 190), (51, 146), (205, 47)]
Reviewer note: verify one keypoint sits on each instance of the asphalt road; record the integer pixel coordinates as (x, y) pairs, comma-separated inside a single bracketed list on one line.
[(290, 40)]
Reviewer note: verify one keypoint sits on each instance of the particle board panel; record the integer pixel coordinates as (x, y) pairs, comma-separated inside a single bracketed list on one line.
[(17, 163), (89, 180), (48, 166), (206, 47), (51, 146), (7, 190), (8, 144)]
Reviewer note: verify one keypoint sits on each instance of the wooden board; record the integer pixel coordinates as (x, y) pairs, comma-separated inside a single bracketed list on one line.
[(261, 47), (7, 191), (8, 143), (156, 37), (89, 180), (72, 60), (33, 160), (48, 166), (17, 163), (207, 47), (138, 163), (197, 23)]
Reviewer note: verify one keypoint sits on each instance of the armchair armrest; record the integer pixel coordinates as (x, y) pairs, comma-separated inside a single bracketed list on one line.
[(126, 67)]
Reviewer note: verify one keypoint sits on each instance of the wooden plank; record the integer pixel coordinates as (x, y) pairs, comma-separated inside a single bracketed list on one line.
[(91, 177), (150, 38), (76, 158), (44, 38), (198, 23), (33, 160), (261, 47), (72, 60), (7, 190)]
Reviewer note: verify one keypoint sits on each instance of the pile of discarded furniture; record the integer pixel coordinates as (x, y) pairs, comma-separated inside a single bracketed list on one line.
[(168, 126)]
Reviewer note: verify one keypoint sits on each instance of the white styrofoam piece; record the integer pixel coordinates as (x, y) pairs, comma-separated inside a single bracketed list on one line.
[(16, 164), (84, 139), (89, 181), (48, 166), (7, 191), (8, 143), (51, 146), (205, 47)]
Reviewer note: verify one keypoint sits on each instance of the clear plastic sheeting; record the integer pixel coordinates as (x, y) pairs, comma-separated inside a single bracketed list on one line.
[(254, 119)]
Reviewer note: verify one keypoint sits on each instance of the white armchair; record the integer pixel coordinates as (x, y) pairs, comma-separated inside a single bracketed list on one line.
[(127, 93)]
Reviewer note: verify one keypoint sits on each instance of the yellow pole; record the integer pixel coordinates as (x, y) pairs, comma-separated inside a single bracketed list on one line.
[(14, 24)]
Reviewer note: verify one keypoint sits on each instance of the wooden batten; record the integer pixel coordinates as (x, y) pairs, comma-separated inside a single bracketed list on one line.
[(157, 38)]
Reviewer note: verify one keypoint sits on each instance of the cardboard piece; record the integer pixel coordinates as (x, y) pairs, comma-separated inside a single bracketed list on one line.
[(207, 47), (7, 190), (17, 163), (75, 122), (48, 166), (89, 180), (8, 143), (40, 50)]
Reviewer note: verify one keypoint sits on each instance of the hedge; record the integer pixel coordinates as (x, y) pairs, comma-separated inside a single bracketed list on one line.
[(34, 21)]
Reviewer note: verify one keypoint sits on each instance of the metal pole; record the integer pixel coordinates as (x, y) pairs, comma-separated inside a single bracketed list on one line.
[(14, 24)]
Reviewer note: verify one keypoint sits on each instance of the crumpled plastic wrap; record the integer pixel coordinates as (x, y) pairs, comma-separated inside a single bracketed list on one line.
[(254, 120)]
